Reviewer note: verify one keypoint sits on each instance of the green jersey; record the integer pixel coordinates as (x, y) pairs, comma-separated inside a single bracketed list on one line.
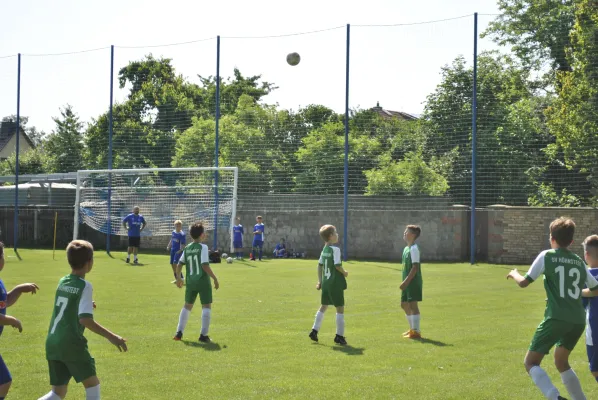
[(331, 277), (65, 339), (195, 256), (410, 257), (565, 275)]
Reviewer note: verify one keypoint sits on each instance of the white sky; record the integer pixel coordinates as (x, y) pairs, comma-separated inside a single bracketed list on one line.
[(398, 66)]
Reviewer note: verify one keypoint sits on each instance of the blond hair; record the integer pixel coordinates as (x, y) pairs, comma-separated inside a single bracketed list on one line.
[(178, 222), (326, 232)]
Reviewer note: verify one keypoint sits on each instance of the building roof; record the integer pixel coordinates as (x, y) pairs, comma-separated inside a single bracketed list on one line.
[(6, 133), (388, 114)]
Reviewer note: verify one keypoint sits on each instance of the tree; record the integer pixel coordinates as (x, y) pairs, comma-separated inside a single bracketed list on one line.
[(31, 162), (64, 147)]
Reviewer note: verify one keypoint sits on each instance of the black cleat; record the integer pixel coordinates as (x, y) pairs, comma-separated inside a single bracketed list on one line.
[(178, 336), (136, 262), (313, 335), (127, 260), (204, 339), (561, 398), (338, 339)]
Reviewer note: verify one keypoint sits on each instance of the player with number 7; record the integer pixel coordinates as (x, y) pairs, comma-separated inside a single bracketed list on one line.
[(331, 279), (565, 274)]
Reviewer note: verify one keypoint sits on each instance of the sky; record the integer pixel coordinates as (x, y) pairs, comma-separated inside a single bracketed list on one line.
[(397, 66)]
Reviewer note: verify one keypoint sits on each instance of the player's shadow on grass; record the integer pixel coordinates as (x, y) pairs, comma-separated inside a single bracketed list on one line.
[(212, 346), (349, 350), (433, 342), (390, 268)]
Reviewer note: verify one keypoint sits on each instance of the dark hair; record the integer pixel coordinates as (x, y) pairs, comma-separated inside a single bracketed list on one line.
[(415, 229), (326, 232), (562, 230), (1, 249), (590, 245), (79, 253), (196, 230)]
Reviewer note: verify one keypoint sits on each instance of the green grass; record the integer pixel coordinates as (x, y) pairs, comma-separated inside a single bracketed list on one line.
[(476, 324)]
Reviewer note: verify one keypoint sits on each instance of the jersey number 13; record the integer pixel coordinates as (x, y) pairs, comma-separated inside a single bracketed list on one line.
[(573, 292)]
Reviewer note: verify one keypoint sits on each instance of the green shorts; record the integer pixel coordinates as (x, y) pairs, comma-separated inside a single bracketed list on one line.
[(202, 289), (61, 372), (335, 297), (412, 293), (552, 332)]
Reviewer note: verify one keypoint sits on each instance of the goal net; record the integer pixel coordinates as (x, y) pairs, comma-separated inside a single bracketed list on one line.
[(105, 197)]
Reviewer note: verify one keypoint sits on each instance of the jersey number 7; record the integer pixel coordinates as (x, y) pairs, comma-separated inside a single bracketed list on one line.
[(60, 302)]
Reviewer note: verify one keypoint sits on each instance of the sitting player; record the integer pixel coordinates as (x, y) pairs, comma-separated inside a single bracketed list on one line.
[(280, 251), (66, 347), (198, 274), (564, 273), (331, 279), (412, 285), (258, 239), (591, 255), (176, 246), (7, 300), (238, 239)]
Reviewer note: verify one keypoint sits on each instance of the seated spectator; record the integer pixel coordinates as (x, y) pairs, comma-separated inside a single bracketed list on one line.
[(280, 251)]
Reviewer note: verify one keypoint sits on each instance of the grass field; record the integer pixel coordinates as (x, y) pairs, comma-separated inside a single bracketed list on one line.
[(476, 326)]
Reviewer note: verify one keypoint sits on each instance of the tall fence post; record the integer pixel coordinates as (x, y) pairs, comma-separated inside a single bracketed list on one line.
[(18, 148), (110, 130), (216, 144), (346, 181), (474, 132)]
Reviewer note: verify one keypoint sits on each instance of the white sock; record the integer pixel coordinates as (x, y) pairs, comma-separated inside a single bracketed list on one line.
[(543, 382), (571, 382), (135, 256), (318, 321), (183, 318), (50, 396), (206, 314), (410, 320), (92, 393), (416, 319), (340, 324)]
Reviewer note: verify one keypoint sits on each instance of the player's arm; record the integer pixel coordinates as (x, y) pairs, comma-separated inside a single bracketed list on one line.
[(319, 285), (169, 245), (534, 272), (86, 319), (338, 262), (10, 321), (208, 270), (179, 268), (125, 220), (592, 286), (143, 224), (410, 276), (15, 293)]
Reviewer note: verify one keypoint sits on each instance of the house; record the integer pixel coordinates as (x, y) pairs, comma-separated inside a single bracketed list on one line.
[(388, 114), (8, 141)]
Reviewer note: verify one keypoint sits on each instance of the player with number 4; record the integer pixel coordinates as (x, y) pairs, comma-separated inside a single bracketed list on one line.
[(331, 279), (564, 318)]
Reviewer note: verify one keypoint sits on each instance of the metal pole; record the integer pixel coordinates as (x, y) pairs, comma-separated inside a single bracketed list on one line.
[(216, 147), (16, 216), (346, 188), (110, 128), (474, 131)]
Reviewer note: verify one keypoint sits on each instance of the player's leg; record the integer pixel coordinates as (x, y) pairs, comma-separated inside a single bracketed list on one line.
[(593, 360), (85, 372), (5, 379), (561, 358), (129, 250), (545, 337), (415, 319), (325, 302), (136, 249), (190, 297), (59, 379), (92, 388), (205, 296), (407, 308), (261, 247), (338, 299)]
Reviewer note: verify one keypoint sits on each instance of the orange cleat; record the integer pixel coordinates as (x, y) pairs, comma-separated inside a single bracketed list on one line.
[(414, 335)]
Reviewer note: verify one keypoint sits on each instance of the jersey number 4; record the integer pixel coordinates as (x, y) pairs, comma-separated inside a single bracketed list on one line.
[(60, 302), (327, 272), (573, 273)]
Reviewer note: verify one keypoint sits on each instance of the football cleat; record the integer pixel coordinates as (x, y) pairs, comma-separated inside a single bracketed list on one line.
[(414, 335), (178, 336), (204, 338), (136, 262), (405, 334), (338, 339), (127, 260), (313, 335)]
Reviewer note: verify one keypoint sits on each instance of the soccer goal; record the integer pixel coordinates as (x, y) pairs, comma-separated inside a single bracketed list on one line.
[(105, 197)]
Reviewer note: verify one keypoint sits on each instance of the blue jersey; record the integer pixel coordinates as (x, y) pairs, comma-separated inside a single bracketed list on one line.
[(238, 233), (134, 222), (177, 241), (259, 228), (3, 304), (592, 316)]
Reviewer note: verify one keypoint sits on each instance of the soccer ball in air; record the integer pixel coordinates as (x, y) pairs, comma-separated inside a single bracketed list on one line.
[(293, 58), (229, 260)]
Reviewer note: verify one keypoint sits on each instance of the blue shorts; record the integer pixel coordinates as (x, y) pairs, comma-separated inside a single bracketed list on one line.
[(4, 373), (258, 243), (592, 358), (174, 257), (238, 245)]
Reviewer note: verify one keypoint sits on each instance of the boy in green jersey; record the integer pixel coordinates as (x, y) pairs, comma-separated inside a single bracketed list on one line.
[(66, 347), (564, 318), (412, 285), (331, 279), (196, 258)]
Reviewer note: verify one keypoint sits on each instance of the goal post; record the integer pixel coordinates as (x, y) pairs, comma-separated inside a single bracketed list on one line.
[(104, 197)]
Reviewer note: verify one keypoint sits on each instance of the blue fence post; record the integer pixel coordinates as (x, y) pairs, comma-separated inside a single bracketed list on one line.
[(16, 216), (346, 188), (216, 144), (110, 128), (474, 132)]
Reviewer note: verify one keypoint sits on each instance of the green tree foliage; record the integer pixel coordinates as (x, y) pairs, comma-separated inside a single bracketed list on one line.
[(63, 148), (30, 163)]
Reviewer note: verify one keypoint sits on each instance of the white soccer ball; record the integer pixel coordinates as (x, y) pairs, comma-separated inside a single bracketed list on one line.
[(229, 260), (224, 255)]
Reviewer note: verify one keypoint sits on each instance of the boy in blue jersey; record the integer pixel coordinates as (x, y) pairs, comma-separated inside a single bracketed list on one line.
[(238, 239), (176, 246), (258, 238), (591, 255), (7, 300), (134, 223)]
